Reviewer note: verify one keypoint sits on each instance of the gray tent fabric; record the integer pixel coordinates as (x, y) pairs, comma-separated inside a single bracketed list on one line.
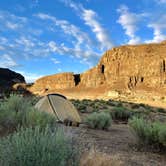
[(58, 105)]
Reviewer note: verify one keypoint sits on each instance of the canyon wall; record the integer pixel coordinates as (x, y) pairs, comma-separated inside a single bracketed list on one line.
[(125, 68)]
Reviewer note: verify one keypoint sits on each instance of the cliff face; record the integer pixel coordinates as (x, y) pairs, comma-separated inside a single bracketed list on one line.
[(8, 78), (125, 68), (53, 82)]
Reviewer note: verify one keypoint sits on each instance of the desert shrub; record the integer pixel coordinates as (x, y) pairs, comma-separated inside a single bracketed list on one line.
[(111, 103), (33, 146), (13, 111), (135, 106), (161, 110), (101, 120), (119, 104), (42, 119), (149, 133), (121, 113), (17, 111)]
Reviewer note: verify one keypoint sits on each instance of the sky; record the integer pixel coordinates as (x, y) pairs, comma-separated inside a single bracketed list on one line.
[(44, 37)]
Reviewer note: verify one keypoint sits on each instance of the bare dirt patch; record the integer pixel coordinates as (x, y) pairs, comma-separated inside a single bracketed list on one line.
[(118, 142)]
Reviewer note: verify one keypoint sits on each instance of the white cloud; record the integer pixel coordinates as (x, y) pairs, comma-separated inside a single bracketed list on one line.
[(82, 44), (7, 61), (55, 61), (89, 56), (11, 21), (81, 37), (91, 19), (129, 21), (2, 48), (29, 77), (161, 1), (158, 27)]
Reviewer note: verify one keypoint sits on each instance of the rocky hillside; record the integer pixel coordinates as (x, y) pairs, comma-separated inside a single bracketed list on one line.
[(8, 78), (124, 68)]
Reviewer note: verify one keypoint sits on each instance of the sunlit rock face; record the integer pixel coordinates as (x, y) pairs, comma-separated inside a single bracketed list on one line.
[(53, 82), (125, 68)]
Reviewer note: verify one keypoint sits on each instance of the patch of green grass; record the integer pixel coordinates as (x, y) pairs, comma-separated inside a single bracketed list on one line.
[(101, 120), (38, 147)]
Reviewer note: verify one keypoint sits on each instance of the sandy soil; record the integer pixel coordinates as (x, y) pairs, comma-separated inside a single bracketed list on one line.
[(117, 141)]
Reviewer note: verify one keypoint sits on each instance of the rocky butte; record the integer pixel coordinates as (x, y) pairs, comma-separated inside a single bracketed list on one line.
[(135, 72), (8, 78)]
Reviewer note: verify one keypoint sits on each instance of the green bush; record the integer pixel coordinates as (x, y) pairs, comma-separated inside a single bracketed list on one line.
[(17, 111), (121, 113), (36, 118), (100, 120), (36, 147), (149, 133)]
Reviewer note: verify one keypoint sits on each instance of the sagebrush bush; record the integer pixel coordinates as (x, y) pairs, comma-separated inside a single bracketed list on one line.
[(17, 111), (149, 133), (121, 113), (101, 120), (36, 118), (38, 147)]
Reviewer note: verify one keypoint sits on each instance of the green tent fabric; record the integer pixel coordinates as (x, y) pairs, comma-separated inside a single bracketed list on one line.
[(58, 105)]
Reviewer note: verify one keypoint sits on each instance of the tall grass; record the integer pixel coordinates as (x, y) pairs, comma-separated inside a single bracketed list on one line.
[(38, 147)]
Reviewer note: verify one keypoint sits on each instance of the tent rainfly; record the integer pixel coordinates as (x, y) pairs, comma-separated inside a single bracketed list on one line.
[(58, 105)]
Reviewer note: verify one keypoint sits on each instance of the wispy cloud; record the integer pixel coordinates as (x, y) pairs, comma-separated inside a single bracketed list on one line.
[(91, 19), (69, 29), (11, 21), (161, 1), (55, 61), (7, 61), (158, 27), (82, 45), (88, 56), (29, 77), (129, 22)]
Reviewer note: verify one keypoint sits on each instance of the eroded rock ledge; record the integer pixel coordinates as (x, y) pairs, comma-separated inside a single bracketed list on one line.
[(138, 67)]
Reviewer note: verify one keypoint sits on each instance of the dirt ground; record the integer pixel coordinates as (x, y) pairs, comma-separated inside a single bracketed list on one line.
[(118, 141)]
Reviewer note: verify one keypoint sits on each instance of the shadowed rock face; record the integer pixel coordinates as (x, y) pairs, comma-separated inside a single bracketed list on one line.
[(8, 78), (121, 68)]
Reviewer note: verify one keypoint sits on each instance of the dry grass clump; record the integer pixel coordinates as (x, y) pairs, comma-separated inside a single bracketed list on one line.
[(94, 158)]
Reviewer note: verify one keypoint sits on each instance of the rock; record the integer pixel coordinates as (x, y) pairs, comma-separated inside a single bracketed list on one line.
[(124, 68), (54, 82), (8, 78)]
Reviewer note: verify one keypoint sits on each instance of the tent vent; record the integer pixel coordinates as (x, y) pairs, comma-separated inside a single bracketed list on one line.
[(77, 79)]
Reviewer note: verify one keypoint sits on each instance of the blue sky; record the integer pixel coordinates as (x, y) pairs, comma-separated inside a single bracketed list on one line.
[(43, 37)]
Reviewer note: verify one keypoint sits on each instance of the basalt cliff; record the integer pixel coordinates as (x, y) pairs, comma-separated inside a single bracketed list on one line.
[(121, 71), (8, 78)]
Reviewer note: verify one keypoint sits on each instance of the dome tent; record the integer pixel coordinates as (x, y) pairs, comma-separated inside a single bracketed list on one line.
[(58, 105)]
